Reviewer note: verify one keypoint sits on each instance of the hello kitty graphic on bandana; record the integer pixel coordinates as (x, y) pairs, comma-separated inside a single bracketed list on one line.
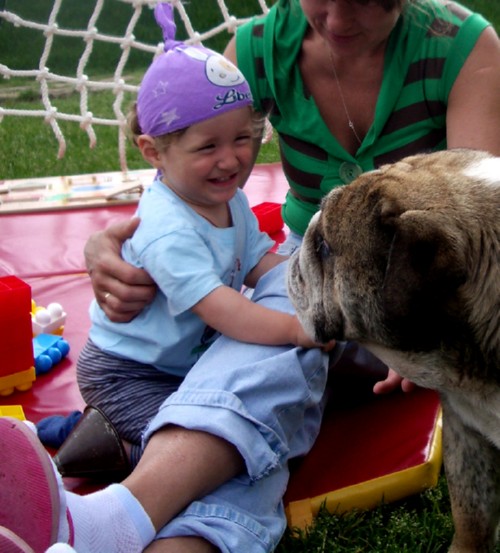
[(217, 85)]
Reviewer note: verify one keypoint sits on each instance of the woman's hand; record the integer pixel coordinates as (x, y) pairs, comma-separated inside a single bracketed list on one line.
[(121, 290), (392, 382)]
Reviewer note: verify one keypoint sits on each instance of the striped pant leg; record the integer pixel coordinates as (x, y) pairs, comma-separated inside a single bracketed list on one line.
[(128, 392)]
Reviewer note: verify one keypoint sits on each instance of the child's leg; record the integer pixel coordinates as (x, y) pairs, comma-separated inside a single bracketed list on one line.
[(184, 544), (240, 515), (128, 392), (111, 385), (122, 396)]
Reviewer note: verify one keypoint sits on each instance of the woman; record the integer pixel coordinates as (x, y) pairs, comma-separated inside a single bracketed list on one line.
[(349, 85)]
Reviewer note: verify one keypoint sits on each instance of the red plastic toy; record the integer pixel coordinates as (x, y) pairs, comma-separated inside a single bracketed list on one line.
[(269, 216), (17, 371)]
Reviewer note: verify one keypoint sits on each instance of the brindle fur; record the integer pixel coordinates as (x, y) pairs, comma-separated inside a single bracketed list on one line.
[(406, 261)]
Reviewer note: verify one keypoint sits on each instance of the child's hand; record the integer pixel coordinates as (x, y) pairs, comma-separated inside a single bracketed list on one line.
[(328, 346), (305, 341)]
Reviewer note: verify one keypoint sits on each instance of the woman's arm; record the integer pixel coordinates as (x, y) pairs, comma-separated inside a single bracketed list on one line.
[(234, 315), (473, 114), (121, 290), (230, 51)]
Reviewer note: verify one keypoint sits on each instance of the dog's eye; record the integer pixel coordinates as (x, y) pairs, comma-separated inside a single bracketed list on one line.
[(322, 248)]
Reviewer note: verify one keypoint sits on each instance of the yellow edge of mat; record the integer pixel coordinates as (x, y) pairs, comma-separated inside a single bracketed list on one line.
[(372, 493)]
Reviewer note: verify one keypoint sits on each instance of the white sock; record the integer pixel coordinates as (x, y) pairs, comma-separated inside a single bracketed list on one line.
[(60, 548), (111, 520)]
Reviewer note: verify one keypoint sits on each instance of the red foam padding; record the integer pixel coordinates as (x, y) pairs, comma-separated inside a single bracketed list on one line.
[(383, 436), (356, 444)]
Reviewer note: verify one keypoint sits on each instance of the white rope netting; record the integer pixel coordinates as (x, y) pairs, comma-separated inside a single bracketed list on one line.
[(117, 82)]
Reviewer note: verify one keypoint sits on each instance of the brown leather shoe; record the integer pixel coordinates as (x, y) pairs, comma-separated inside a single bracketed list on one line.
[(93, 449)]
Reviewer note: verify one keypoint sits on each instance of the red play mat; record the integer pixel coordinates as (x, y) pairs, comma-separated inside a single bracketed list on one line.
[(382, 448)]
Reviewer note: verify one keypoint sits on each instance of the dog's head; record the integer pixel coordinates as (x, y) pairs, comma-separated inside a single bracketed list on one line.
[(398, 257)]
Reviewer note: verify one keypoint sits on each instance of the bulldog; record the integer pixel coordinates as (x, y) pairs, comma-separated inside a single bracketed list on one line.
[(405, 260)]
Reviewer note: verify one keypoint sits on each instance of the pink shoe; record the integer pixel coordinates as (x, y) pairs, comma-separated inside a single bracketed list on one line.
[(29, 494), (10, 543)]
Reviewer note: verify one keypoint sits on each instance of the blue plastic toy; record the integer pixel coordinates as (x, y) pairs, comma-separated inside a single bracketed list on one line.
[(48, 350)]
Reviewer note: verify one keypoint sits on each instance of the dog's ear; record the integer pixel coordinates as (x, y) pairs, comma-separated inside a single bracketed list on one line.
[(423, 270)]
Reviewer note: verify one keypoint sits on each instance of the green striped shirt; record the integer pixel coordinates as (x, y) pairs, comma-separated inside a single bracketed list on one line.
[(425, 53)]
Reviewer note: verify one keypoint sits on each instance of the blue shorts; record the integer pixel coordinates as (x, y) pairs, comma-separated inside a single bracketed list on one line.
[(267, 401)]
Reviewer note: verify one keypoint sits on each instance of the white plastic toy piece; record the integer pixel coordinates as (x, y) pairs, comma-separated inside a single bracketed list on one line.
[(48, 320)]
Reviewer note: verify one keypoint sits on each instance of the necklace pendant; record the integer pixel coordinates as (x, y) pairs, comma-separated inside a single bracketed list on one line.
[(353, 129), (341, 94)]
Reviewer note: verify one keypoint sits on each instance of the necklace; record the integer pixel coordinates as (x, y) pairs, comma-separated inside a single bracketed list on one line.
[(349, 120)]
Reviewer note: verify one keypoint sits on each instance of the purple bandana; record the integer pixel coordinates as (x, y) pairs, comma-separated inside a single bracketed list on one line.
[(186, 84)]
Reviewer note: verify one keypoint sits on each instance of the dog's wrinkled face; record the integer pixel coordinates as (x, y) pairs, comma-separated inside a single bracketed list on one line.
[(383, 261)]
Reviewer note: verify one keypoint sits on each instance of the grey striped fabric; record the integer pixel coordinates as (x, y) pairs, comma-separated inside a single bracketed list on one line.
[(128, 392)]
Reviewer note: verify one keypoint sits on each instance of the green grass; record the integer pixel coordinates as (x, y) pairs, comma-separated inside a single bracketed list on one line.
[(29, 146), (419, 524), (21, 47), (29, 149)]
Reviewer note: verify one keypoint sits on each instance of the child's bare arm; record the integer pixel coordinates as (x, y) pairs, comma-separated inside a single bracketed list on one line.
[(266, 263), (234, 315)]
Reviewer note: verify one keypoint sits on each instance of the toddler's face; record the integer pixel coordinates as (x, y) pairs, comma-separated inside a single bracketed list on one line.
[(212, 159)]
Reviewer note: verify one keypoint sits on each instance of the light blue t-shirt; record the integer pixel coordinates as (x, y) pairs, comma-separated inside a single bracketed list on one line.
[(188, 258)]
